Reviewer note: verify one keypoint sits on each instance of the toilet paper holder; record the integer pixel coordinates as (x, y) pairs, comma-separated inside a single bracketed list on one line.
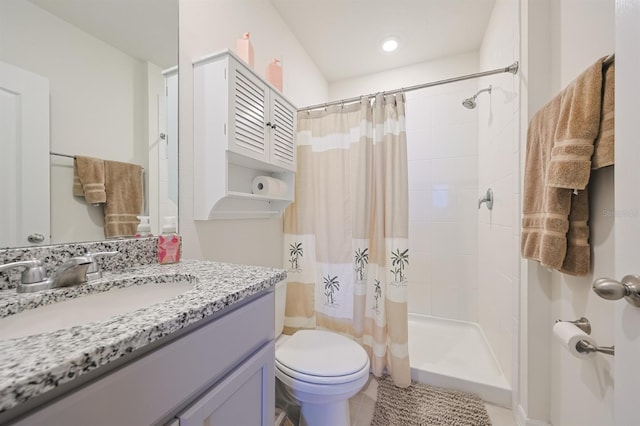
[(582, 323), (583, 346)]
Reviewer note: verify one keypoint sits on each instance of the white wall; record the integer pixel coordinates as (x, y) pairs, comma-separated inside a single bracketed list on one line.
[(533, 388), (582, 391), (208, 26), (410, 75), (499, 229), (576, 392), (97, 101), (442, 146)]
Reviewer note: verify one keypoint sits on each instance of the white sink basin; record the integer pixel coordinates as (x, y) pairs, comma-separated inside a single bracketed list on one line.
[(89, 308)]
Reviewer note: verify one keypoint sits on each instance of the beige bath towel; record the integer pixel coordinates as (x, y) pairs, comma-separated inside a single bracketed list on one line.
[(124, 188), (88, 179), (545, 210), (604, 145), (576, 130), (560, 145)]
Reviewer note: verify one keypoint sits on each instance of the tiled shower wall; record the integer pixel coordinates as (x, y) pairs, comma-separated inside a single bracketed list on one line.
[(499, 229), (442, 144)]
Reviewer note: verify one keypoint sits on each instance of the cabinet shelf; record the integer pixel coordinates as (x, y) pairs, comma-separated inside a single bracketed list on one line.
[(251, 196)]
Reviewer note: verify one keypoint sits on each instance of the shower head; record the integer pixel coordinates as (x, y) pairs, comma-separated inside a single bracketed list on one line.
[(471, 103)]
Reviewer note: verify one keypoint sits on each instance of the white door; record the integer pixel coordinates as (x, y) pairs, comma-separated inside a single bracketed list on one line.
[(627, 208), (24, 157)]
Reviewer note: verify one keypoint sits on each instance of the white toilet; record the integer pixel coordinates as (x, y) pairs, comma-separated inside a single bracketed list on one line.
[(321, 370)]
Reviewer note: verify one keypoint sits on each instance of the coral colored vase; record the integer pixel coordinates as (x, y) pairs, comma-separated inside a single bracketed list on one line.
[(244, 49)]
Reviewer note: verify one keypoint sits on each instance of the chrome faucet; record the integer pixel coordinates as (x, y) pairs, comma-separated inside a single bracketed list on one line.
[(34, 277), (94, 272), (71, 272)]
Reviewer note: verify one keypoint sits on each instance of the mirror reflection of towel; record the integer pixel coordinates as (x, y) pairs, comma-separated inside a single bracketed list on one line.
[(88, 179), (125, 195)]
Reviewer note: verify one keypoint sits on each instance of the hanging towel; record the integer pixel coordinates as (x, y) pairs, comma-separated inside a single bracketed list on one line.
[(604, 144), (576, 131), (545, 210), (124, 188), (88, 179), (560, 146)]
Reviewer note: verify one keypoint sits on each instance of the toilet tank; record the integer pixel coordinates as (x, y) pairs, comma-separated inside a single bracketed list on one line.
[(281, 298)]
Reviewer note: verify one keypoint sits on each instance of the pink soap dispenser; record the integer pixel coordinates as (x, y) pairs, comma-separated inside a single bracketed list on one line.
[(244, 49), (274, 74), (169, 242)]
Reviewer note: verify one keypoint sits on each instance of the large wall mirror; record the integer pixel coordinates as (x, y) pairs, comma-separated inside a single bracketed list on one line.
[(109, 74)]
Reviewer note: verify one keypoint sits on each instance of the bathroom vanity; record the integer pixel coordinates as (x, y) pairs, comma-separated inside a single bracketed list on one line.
[(205, 355)]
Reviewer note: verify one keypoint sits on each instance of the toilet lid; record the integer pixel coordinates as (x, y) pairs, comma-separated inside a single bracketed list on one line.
[(321, 353)]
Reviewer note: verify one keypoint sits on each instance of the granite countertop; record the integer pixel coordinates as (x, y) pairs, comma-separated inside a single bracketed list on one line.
[(33, 365)]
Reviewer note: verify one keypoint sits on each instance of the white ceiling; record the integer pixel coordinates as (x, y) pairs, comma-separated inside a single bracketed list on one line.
[(145, 29), (344, 37)]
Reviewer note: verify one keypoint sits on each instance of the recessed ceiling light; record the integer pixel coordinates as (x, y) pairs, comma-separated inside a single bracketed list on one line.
[(389, 45)]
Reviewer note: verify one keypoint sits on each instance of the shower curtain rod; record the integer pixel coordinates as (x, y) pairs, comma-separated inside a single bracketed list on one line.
[(513, 69)]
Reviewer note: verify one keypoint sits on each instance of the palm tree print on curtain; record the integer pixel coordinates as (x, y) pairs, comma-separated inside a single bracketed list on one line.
[(331, 285), (361, 260), (377, 294), (398, 262), (351, 212), (295, 252)]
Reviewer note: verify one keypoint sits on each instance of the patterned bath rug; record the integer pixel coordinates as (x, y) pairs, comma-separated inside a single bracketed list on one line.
[(424, 405)]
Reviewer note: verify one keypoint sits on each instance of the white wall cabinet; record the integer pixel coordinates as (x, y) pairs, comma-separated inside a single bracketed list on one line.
[(222, 371), (243, 128)]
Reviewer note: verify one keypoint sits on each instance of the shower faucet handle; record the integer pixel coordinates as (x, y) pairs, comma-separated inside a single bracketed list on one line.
[(488, 199)]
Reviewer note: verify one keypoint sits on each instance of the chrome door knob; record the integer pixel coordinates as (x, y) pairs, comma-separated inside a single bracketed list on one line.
[(35, 238), (610, 289)]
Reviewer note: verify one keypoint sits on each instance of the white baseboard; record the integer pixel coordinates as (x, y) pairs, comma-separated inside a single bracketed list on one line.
[(522, 420)]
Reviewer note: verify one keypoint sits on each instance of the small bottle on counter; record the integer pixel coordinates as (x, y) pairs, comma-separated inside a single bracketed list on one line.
[(144, 228), (169, 242)]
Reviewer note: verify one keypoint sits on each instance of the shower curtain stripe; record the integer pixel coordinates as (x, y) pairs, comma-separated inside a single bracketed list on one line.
[(346, 235)]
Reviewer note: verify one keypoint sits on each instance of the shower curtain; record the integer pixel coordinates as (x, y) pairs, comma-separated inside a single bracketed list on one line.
[(346, 235)]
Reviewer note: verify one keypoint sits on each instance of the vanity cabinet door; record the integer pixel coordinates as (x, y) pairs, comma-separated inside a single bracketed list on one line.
[(245, 397)]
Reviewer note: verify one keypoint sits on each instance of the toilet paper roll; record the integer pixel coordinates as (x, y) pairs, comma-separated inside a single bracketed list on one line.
[(569, 335), (267, 185)]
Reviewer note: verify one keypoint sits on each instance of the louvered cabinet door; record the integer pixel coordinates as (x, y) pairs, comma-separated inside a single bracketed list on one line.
[(248, 132), (283, 132)]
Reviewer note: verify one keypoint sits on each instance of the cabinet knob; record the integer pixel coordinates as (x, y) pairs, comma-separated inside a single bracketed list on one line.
[(268, 124), (273, 126)]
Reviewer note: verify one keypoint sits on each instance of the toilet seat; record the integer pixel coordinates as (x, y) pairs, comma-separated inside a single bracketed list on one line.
[(321, 357)]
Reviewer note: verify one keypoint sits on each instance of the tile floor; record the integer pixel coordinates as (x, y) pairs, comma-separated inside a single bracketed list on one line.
[(361, 407)]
